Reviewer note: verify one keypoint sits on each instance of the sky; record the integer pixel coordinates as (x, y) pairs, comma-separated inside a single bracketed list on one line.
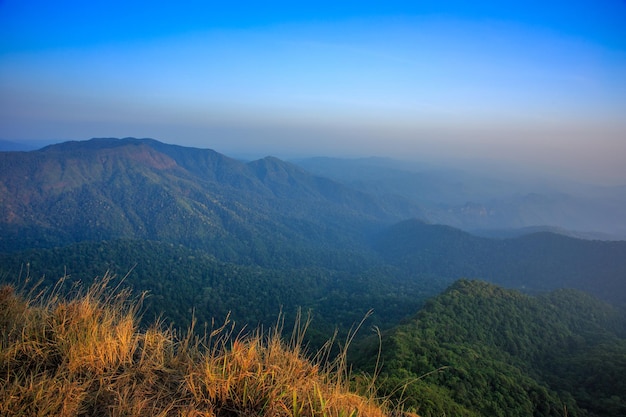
[(538, 84)]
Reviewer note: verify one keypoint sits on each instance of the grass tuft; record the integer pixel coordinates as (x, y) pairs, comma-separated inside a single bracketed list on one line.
[(85, 356)]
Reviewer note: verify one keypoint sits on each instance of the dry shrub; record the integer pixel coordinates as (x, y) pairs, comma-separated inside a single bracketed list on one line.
[(85, 356)]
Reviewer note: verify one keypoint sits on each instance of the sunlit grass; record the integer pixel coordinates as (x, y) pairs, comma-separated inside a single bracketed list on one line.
[(86, 356)]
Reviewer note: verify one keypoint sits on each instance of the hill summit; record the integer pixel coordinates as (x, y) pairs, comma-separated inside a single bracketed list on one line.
[(481, 350), (144, 189)]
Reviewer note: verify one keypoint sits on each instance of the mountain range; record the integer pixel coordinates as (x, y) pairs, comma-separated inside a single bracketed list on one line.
[(274, 214), (486, 200), (130, 188), (210, 237)]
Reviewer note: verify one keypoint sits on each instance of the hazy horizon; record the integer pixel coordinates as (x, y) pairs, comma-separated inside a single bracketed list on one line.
[(534, 85)]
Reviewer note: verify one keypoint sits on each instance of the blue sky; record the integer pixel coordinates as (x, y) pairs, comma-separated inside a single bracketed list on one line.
[(539, 84)]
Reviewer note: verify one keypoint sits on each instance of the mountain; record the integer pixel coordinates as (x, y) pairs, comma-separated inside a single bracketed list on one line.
[(144, 189), (536, 262), (107, 204), (480, 350), (485, 199), (6, 145), (511, 233)]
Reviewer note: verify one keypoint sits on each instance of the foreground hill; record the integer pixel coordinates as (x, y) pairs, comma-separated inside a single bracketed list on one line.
[(144, 189), (480, 350)]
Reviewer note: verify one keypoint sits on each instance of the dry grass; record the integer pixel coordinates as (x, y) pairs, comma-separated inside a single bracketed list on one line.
[(86, 357)]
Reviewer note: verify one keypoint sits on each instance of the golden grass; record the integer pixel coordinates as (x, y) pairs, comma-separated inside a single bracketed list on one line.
[(86, 357)]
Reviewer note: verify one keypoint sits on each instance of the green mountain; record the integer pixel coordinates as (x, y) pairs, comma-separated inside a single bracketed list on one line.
[(536, 262), (183, 283), (143, 189), (90, 204), (480, 350)]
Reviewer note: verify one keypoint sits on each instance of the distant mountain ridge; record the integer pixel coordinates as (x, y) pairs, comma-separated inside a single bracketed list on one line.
[(269, 213), (472, 198), (13, 146), (142, 188), (540, 261), (523, 231)]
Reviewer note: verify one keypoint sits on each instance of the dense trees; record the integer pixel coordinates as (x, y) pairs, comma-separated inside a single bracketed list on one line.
[(478, 349), (338, 288), (536, 262)]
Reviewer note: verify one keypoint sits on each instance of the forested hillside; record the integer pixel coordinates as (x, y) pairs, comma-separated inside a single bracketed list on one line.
[(337, 289), (535, 262), (480, 350), (143, 189)]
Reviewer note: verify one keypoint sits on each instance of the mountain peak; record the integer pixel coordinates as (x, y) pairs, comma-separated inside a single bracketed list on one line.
[(91, 144), (143, 188), (273, 169)]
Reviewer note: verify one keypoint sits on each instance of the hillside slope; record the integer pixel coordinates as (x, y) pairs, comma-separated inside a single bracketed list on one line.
[(338, 289), (480, 350), (144, 189), (536, 262)]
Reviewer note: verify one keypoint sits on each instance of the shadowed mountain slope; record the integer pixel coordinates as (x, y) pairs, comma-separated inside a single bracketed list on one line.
[(141, 188), (536, 262)]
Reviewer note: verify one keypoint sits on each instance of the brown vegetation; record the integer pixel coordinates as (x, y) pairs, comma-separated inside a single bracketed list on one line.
[(86, 357)]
